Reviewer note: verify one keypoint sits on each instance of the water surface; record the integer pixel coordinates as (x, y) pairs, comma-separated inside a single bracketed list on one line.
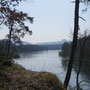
[(50, 61)]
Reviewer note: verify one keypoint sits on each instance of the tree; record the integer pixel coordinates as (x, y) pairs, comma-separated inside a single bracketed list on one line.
[(14, 20), (74, 42), (82, 46), (65, 48)]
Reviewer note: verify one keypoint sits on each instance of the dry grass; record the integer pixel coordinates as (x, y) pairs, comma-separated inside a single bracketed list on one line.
[(17, 78)]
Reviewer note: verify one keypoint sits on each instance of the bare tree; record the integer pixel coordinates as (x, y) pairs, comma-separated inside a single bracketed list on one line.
[(74, 44)]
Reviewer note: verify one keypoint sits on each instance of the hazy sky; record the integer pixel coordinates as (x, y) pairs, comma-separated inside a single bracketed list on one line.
[(53, 20)]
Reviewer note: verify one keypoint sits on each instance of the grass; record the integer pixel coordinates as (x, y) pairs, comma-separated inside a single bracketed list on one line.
[(17, 78)]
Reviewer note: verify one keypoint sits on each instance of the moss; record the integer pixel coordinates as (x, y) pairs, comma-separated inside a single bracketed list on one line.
[(16, 77), (2, 89), (17, 67)]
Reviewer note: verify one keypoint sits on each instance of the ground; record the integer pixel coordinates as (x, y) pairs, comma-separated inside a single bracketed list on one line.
[(17, 78)]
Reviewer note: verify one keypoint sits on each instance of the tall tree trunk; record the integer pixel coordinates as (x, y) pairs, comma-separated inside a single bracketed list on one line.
[(74, 44), (9, 42)]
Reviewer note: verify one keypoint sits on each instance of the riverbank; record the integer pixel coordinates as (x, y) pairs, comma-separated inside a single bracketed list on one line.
[(17, 78), (3, 56)]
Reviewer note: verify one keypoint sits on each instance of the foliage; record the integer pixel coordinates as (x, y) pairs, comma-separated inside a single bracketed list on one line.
[(86, 57), (65, 48), (14, 19), (3, 53)]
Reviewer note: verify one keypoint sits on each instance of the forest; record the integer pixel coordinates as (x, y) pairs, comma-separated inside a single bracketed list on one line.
[(82, 46)]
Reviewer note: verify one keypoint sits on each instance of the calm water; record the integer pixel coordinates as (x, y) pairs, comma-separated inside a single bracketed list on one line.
[(50, 61)]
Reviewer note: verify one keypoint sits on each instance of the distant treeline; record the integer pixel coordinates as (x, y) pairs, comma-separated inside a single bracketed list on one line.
[(82, 45), (28, 47), (66, 47)]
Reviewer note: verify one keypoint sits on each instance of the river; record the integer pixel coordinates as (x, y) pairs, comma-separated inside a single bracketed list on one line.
[(50, 61)]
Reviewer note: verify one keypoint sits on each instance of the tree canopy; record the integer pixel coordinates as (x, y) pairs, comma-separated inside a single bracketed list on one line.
[(11, 17)]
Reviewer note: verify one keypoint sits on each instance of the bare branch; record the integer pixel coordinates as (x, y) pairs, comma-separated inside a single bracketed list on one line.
[(2, 21), (82, 18)]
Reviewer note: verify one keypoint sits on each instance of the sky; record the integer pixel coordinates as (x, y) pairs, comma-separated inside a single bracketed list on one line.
[(53, 20)]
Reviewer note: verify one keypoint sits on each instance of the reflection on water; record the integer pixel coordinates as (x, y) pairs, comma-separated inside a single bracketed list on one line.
[(51, 62), (83, 77)]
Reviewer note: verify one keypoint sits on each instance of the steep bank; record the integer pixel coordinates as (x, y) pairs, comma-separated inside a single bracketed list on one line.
[(17, 78)]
